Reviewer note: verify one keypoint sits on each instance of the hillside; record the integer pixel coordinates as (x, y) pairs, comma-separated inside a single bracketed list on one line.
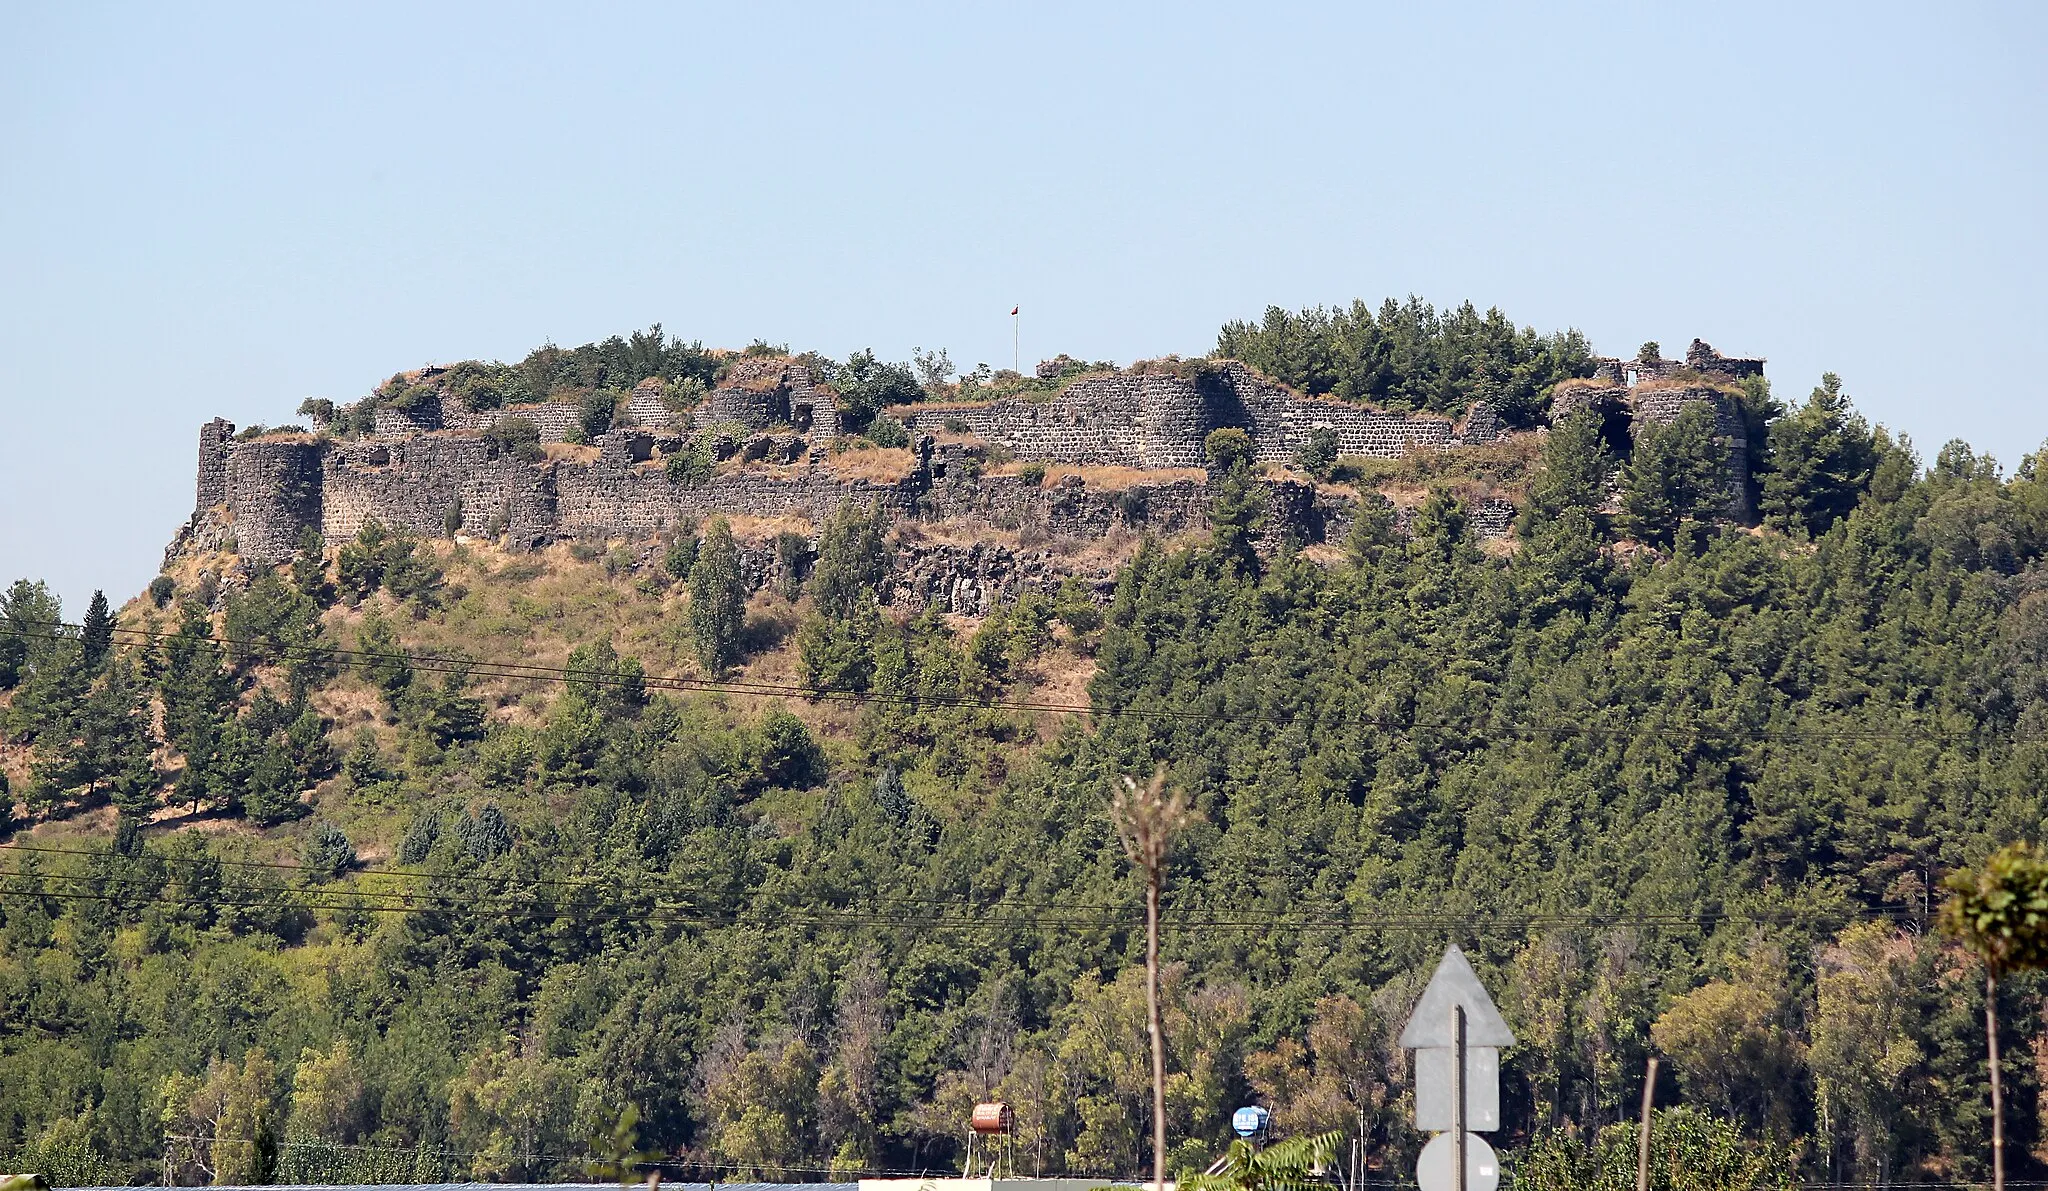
[(418, 856)]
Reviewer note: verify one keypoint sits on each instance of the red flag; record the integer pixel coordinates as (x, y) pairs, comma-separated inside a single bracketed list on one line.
[(1015, 309)]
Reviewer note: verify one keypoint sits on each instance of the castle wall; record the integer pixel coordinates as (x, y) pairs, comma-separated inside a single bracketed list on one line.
[(552, 418), (273, 492), (1155, 420), (214, 441), (424, 484), (1660, 405)]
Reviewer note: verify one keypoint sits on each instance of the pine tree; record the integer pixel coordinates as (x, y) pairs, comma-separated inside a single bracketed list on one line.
[(1822, 458), (853, 559), (97, 636), (30, 619), (1677, 472), (1237, 508), (718, 598)]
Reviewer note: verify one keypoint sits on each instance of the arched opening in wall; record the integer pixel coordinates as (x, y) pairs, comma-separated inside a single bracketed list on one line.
[(938, 471), (1615, 433), (800, 417)]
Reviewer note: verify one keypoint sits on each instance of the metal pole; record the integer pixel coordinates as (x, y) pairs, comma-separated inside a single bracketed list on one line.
[(1458, 1091), (1643, 1130)]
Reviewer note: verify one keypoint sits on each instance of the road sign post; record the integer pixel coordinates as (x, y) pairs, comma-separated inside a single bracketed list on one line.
[(1456, 1034)]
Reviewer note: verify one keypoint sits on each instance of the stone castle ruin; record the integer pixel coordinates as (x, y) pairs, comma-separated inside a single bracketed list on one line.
[(1116, 450)]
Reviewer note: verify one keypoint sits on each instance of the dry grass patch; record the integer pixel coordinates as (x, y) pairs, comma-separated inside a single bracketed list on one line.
[(887, 464)]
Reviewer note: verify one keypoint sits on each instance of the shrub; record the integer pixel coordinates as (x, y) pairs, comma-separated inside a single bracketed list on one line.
[(784, 752), (161, 589), (1319, 453), (956, 425), (328, 853), (486, 836), (1033, 474), (691, 466), (600, 408), (886, 431), (515, 436), (792, 551)]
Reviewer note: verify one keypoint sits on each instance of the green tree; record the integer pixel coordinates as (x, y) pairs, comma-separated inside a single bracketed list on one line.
[(96, 636), (853, 559), (30, 617), (1296, 1164), (867, 385), (1676, 472), (1821, 460), (1319, 454), (1575, 471), (2000, 912), (1237, 507), (718, 598), (1863, 1046)]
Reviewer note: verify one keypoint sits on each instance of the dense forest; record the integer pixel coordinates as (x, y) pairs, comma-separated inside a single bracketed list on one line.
[(412, 861)]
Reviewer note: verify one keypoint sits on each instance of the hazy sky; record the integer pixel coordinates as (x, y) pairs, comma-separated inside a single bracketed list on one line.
[(223, 210)]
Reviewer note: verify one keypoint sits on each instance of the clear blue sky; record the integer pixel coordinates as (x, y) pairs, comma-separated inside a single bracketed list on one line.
[(223, 210)]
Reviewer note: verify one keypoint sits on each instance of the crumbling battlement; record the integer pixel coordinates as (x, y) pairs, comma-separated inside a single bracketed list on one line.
[(430, 468), (757, 393), (1154, 419), (1701, 360)]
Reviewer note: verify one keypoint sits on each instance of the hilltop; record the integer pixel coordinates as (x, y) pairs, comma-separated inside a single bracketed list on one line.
[(459, 784)]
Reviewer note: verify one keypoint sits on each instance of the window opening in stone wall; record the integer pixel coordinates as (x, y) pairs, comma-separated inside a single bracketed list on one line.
[(800, 417)]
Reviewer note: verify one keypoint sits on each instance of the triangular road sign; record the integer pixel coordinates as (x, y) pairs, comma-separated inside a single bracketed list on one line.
[(1455, 983)]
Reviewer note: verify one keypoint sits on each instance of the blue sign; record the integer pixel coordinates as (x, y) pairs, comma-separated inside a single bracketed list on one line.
[(1250, 1120)]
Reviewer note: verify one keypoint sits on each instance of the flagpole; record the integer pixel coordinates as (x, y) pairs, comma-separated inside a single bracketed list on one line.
[(1016, 339)]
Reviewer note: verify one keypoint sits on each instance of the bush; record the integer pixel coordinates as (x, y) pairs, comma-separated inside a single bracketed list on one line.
[(792, 552), (599, 410), (161, 589), (420, 838), (517, 437), (784, 752), (886, 431), (1033, 474), (691, 466), (328, 853), (488, 835), (1319, 453)]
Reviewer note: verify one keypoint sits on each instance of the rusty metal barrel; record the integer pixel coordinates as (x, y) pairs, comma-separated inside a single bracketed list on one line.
[(992, 1118)]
